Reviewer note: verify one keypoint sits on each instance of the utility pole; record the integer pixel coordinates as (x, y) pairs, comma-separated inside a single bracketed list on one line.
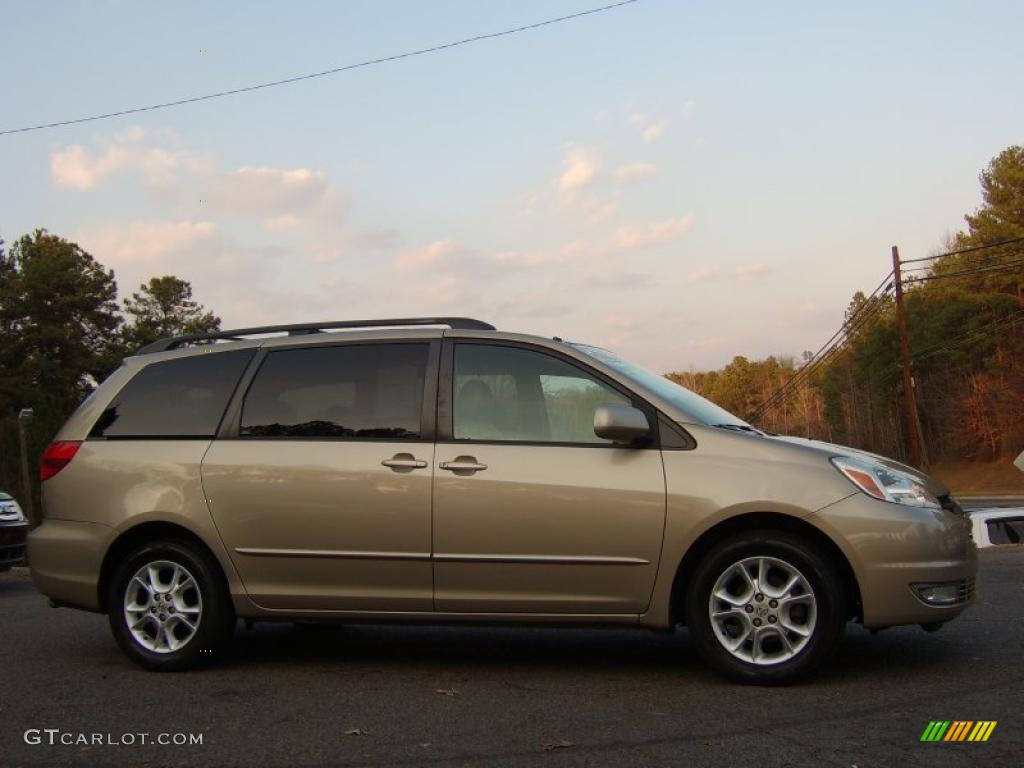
[(915, 455), (24, 417)]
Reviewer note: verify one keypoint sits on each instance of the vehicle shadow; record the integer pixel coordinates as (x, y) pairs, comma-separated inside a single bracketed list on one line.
[(908, 651)]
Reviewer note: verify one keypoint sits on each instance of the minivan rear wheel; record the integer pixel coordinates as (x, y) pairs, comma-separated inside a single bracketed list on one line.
[(765, 608), (168, 608)]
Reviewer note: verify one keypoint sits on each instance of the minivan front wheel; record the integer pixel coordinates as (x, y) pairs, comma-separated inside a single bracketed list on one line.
[(765, 608), (167, 607)]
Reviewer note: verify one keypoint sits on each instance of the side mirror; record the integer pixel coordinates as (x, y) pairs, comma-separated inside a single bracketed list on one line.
[(620, 423)]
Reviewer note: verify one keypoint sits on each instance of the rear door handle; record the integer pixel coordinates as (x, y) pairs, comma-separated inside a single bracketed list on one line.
[(463, 464), (404, 461)]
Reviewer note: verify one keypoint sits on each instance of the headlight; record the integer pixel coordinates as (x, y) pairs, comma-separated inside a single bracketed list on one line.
[(886, 484), (10, 512)]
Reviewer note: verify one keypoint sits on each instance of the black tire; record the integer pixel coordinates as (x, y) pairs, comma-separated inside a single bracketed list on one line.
[(824, 583), (212, 635)]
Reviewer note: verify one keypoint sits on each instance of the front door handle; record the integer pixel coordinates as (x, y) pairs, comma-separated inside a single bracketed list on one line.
[(463, 465), (404, 461)]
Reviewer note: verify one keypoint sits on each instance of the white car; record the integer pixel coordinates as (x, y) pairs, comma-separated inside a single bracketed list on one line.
[(990, 527), (13, 530)]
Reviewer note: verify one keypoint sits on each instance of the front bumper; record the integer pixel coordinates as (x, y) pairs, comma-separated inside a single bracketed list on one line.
[(892, 546), (12, 544)]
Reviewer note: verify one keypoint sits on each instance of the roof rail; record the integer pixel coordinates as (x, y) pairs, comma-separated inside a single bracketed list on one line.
[(298, 329)]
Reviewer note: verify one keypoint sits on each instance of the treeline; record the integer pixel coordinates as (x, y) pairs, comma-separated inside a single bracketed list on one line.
[(62, 329), (965, 317)]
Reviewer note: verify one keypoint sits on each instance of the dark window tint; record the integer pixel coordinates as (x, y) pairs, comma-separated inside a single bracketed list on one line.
[(349, 391), (510, 394), (1007, 531), (175, 398)]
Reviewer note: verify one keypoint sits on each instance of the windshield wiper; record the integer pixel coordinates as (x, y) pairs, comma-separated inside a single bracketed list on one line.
[(740, 428)]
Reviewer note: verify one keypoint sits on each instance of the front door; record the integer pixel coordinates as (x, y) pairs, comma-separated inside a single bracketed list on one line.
[(323, 495), (533, 513)]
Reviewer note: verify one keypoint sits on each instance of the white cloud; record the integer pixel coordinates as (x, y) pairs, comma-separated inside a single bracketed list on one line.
[(580, 170), (616, 278), (138, 250), (631, 238), (627, 174), (283, 197), (751, 271), (240, 282), (72, 167), (433, 255), (573, 196), (700, 275), (542, 258), (75, 166), (597, 212), (654, 131), (131, 134), (146, 242), (444, 291)]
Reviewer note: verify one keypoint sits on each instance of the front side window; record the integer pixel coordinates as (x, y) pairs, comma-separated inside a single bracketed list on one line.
[(180, 398), (353, 391), (508, 394)]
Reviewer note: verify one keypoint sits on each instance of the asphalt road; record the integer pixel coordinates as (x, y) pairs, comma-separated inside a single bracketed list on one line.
[(449, 696)]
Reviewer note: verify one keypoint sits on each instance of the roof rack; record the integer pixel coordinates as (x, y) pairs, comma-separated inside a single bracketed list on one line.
[(299, 329)]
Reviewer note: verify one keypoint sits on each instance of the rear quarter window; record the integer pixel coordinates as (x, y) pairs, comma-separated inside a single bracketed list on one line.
[(185, 397)]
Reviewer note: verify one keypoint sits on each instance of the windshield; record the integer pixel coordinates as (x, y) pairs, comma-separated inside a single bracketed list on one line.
[(700, 410)]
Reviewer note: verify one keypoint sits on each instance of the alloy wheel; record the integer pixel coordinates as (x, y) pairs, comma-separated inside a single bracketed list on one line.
[(763, 610), (163, 606)]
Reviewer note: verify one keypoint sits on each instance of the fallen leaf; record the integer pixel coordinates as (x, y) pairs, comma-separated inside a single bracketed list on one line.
[(563, 744), (356, 732), (447, 691)]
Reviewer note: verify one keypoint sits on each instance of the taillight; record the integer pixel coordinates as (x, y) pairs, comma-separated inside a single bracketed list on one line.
[(57, 456)]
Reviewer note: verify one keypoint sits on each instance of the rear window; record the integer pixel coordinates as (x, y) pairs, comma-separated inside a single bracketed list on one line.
[(178, 398), (351, 391), (1006, 531)]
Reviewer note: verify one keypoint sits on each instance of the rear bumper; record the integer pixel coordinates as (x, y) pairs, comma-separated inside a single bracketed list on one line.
[(65, 558), (891, 547), (12, 544)]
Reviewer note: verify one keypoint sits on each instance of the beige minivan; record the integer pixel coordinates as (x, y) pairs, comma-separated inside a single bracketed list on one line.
[(437, 470)]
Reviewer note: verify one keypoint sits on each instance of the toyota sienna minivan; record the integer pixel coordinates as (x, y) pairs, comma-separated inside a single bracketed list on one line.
[(438, 470)]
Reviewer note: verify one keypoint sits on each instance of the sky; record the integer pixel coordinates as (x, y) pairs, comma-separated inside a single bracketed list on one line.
[(681, 182)]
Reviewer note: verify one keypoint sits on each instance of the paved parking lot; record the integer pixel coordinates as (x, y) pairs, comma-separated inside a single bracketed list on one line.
[(382, 695)]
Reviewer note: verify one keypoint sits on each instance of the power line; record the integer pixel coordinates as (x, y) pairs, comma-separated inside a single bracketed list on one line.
[(819, 359), (964, 250), (854, 323), (868, 311), (815, 359), (1004, 321), (310, 76), (974, 271), (805, 373)]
